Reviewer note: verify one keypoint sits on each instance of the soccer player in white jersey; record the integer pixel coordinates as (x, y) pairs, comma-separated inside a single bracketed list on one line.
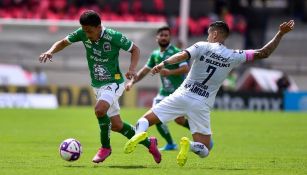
[(195, 97)]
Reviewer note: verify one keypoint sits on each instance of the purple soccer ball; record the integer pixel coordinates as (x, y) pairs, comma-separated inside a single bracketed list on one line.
[(70, 149)]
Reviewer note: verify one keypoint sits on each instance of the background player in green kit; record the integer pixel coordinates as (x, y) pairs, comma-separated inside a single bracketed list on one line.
[(171, 78), (102, 50)]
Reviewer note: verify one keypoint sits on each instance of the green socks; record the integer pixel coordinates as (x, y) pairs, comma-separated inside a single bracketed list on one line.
[(105, 126), (128, 131), (163, 130)]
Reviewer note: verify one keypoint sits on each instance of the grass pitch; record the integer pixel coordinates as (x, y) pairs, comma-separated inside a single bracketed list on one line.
[(244, 143)]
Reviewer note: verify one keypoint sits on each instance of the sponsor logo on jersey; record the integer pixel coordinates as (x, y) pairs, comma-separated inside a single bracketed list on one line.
[(107, 37), (96, 58), (101, 73), (219, 57), (124, 40), (107, 47), (216, 63), (96, 52), (87, 45), (88, 41)]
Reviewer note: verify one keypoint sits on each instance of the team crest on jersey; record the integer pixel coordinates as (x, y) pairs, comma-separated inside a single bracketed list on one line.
[(106, 46)]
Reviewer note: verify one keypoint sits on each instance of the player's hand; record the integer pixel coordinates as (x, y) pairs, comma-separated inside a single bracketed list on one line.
[(130, 74), (45, 56), (129, 85), (157, 68), (286, 27), (165, 72)]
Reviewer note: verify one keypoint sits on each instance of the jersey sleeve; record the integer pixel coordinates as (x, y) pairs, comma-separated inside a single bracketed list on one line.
[(122, 41), (242, 56), (195, 50), (150, 62), (74, 36)]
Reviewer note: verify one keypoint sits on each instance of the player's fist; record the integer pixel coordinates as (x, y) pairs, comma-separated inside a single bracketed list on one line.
[(286, 27), (129, 85), (130, 74), (157, 68), (45, 56)]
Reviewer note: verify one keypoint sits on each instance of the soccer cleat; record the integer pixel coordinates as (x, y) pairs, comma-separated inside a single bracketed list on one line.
[(131, 144), (183, 153), (168, 147), (102, 154), (153, 149)]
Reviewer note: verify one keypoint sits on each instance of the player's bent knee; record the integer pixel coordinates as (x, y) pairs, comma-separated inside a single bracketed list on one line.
[(180, 121), (100, 112)]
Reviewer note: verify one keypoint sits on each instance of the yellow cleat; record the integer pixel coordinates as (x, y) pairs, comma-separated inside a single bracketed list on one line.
[(183, 153), (131, 144)]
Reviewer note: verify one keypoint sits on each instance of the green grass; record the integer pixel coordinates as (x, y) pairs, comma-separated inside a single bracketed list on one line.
[(244, 143)]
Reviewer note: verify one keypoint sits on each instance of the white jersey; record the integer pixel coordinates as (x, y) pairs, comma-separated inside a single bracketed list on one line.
[(212, 64)]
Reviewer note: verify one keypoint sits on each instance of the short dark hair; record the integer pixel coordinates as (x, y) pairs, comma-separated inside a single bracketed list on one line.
[(90, 18), (221, 26), (164, 28)]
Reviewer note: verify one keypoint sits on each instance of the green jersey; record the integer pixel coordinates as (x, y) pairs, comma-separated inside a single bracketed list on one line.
[(172, 82), (102, 56)]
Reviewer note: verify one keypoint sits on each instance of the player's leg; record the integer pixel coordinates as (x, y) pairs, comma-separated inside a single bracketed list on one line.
[(125, 129), (165, 133), (163, 129), (183, 122), (201, 144), (165, 111), (147, 120), (199, 122), (104, 126), (106, 95)]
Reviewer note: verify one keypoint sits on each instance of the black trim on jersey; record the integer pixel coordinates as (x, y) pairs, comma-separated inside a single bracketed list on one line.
[(188, 53)]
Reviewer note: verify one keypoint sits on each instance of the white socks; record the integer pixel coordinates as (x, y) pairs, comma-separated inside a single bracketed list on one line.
[(200, 149), (141, 126)]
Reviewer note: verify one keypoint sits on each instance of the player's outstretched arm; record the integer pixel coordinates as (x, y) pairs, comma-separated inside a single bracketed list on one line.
[(139, 76), (56, 47), (268, 49), (178, 57), (135, 55)]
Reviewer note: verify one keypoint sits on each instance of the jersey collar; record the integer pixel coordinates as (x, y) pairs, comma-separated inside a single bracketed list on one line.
[(169, 45), (102, 31)]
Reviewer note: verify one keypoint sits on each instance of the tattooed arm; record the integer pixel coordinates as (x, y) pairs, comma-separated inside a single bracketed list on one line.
[(266, 50)]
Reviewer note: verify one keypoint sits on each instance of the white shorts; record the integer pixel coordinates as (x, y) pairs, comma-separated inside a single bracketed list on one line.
[(110, 93), (157, 99), (198, 113)]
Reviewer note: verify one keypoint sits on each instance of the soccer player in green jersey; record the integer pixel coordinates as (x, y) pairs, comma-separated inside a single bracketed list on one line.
[(102, 47), (171, 78)]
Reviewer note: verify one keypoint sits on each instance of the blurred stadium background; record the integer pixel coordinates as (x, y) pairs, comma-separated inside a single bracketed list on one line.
[(29, 27)]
